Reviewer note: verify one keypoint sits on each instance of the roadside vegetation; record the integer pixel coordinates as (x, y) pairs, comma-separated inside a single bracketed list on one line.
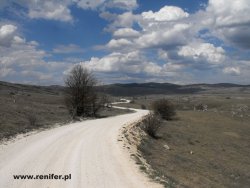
[(24, 108), (162, 110), (206, 144)]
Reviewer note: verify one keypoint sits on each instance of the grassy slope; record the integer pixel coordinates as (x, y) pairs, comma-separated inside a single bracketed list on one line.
[(46, 104), (18, 104), (220, 145)]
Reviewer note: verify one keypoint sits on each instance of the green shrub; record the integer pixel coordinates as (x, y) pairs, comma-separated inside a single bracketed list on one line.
[(164, 108)]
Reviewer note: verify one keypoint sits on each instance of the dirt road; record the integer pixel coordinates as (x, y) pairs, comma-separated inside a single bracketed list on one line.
[(89, 151)]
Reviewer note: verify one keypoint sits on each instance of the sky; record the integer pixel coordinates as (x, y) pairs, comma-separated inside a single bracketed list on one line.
[(125, 41)]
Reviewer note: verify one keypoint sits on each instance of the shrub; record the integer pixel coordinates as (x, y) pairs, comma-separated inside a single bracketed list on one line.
[(132, 102), (143, 107), (152, 123), (200, 107), (31, 117), (164, 108)]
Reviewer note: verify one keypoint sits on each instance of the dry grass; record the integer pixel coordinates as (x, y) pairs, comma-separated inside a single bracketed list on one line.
[(204, 149), (24, 108), (25, 111)]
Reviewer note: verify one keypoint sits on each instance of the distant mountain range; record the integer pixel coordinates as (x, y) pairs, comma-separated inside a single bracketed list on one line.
[(168, 88), (134, 89)]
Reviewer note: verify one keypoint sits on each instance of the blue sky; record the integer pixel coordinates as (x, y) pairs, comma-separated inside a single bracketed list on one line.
[(125, 41)]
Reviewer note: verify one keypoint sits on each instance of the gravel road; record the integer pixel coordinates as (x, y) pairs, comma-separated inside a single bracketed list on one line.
[(88, 150)]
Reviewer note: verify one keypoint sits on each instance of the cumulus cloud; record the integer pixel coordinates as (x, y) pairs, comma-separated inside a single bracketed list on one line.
[(21, 57), (165, 45), (158, 29), (176, 36), (230, 21), (52, 10), (132, 66), (167, 13), (7, 34), (122, 4), (119, 44), (124, 20), (203, 52), (229, 12), (165, 37), (165, 17), (116, 61), (23, 61), (234, 71), (126, 33), (60, 9)]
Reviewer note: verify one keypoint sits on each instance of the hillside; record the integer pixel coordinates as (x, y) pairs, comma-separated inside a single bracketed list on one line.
[(134, 89)]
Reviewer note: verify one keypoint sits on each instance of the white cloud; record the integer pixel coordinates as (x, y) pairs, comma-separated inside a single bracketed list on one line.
[(126, 33), (185, 42), (19, 40), (122, 4), (52, 10), (60, 9), (94, 4), (23, 61), (165, 36), (124, 20), (203, 52), (36, 75), (167, 13), (119, 43), (7, 34), (229, 20), (130, 62), (178, 37), (159, 29), (230, 12), (234, 71), (165, 18), (126, 66)]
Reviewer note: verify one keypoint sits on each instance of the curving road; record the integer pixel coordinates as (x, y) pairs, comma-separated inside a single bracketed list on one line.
[(88, 150)]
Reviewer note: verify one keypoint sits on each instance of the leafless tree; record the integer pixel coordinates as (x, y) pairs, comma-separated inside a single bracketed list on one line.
[(81, 97)]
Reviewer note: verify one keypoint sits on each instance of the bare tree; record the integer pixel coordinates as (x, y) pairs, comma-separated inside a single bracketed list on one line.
[(81, 97)]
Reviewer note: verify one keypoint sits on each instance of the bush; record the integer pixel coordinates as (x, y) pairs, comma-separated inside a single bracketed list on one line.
[(164, 108), (151, 124), (143, 107), (132, 102), (200, 107), (31, 117)]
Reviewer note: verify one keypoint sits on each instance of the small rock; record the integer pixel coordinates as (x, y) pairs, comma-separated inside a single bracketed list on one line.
[(166, 147)]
